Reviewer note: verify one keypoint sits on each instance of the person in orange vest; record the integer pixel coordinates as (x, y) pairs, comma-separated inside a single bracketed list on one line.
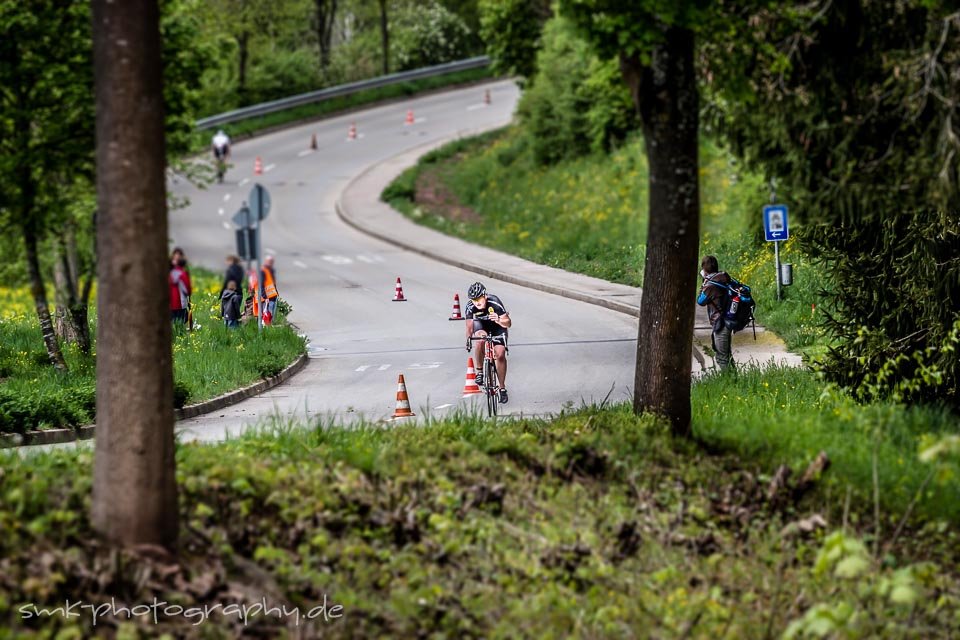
[(268, 290)]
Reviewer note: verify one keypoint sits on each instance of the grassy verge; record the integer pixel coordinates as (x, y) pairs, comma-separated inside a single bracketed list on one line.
[(208, 362), (589, 215), (251, 126), (595, 524)]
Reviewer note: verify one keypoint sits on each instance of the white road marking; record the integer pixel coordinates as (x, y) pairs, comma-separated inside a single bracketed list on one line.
[(366, 259), (220, 211), (442, 406), (359, 136), (305, 152), (425, 365), (243, 182), (269, 167), (364, 367), (338, 259), (226, 225), (419, 120), (271, 251), (226, 197), (474, 107), (383, 367), (300, 264)]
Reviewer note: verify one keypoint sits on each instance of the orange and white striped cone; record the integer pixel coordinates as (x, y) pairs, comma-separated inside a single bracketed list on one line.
[(398, 292), (470, 385), (258, 167), (456, 315), (409, 119), (403, 402), (352, 133)]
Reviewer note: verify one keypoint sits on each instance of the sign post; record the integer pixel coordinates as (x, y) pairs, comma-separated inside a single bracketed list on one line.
[(776, 229)]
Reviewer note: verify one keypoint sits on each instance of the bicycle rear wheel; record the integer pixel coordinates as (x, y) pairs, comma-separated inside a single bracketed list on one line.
[(490, 387)]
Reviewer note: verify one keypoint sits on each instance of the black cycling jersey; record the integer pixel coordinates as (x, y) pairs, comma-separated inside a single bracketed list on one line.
[(494, 305)]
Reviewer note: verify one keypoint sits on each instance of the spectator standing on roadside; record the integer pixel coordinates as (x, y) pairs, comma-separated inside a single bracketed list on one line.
[(180, 290), (230, 305), (713, 294), (178, 258), (267, 283), (234, 272)]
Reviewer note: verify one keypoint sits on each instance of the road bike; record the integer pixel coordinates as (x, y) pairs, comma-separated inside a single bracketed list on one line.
[(491, 381)]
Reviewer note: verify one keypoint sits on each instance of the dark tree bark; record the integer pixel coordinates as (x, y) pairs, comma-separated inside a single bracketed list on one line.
[(134, 489), (326, 13), (39, 292), (665, 92), (243, 51), (385, 36), (71, 302)]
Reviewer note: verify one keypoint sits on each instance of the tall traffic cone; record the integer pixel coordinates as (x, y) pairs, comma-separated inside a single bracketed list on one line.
[(398, 293), (470, 385), (352, 134), (313, 142), (409, 119), (258, 166), (486, 97), (403, 402), (456, 308)]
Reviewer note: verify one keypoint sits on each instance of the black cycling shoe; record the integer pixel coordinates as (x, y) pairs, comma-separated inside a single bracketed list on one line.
[(479, 379), (504, 398)]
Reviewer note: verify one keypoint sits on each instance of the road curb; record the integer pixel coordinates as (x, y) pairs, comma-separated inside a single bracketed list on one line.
[(86, 432)]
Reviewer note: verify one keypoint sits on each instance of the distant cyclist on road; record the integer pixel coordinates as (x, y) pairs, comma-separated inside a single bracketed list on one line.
[(221, 152), (495, 323)]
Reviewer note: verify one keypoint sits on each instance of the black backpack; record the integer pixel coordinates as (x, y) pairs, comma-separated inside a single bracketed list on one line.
[(738, 306)]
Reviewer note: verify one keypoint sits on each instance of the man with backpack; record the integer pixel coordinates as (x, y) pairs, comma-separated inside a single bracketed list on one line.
[(715, 295)]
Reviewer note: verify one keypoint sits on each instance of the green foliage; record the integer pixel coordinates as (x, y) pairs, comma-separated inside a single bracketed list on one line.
[(461, 527), (855, 120), (783, 415), (576, 103), (427, 34), (208, 362), (511, 30)]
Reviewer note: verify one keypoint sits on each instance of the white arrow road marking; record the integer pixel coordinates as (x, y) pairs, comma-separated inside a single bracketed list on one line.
[(269, 167), (383, 367), (366, 259), (305, 152), (442, 406), (474, 107), (226, 225), (300, 264), (338, 259), (425, 365), (243, 182), (220, 211), (226, 197)]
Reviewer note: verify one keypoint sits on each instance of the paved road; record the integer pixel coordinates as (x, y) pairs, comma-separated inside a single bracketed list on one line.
[(340, 282)]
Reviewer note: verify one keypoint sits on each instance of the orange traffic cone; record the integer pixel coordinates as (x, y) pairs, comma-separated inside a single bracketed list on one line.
[(486, 97), (398, 293), (352, 134), (409, 117), (258, 166), (313, 142), (403, 402), (470, 385), (456, 308)]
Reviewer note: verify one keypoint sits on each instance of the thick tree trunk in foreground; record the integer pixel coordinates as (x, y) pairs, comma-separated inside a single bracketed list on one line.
[(134, 490), (665, 93)]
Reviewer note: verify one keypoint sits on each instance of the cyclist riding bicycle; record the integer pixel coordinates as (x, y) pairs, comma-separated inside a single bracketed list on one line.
[(221, 145), (495, 323)]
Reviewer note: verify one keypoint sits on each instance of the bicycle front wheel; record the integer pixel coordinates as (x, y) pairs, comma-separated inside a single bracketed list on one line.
[(490, 387)]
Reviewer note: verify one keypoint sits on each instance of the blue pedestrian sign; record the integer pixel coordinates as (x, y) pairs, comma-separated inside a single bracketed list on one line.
[(775, 226)]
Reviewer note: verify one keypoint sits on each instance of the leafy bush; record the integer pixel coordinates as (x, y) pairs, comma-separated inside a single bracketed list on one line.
[(425, 34)]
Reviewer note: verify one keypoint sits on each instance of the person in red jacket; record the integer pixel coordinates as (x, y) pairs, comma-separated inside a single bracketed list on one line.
[(180, 291)]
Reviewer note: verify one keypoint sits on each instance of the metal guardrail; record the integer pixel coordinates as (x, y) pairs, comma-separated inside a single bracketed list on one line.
[(340, 90)]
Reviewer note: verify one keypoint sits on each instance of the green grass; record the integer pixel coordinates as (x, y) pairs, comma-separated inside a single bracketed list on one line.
[(595, 524), (783, 415), (208, 362), (589, 215), (252, 126)]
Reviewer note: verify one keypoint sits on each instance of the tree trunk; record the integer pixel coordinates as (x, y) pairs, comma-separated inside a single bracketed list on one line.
[(134, 488), (64, 292), (243, 53), (39, 292), (665, 93), (326, 13), (385, 36)]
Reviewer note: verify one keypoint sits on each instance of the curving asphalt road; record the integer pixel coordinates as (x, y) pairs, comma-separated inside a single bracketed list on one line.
[(341, 282)]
